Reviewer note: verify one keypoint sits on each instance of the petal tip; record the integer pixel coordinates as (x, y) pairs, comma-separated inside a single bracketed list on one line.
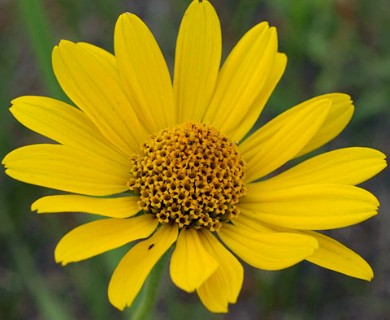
[(60, 261), (64, 43), (35, 207), (127, 16), (117, 304)]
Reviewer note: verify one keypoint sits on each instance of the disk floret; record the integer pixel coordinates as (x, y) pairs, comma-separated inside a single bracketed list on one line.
[(190, 175)]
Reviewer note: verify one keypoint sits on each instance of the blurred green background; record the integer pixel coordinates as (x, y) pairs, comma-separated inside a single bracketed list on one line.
[(332, 45)]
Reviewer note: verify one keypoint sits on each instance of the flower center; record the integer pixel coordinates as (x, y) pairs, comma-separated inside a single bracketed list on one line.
[(190, 175)]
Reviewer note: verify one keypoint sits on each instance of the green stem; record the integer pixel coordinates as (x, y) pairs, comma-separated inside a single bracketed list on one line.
[(38, 30), (149, 291)]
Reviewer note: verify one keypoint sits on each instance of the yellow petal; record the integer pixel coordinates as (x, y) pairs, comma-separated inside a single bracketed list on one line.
[(64, 124), (242, 128), (334, 256), (224, 285), (94, 86), (101, 54), (144, 73), (339, 115), (330, 253), (242, 78), (268, 251), (63, 168), (119, 207), (344, 166), (246, 218), (197, 60), (316, 207), (99, 236), (131, 273), (281, 139), (191, 264)]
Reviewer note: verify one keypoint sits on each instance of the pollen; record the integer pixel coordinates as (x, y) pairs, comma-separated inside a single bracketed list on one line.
[(189, 175)]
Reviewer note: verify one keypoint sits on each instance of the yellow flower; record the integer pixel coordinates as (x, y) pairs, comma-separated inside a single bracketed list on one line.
[(169, 165)]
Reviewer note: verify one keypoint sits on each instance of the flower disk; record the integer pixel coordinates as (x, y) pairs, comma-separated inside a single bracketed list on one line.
[(190, 175)]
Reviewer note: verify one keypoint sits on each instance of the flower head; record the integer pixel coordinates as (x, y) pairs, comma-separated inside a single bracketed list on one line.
[(170, 165)]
